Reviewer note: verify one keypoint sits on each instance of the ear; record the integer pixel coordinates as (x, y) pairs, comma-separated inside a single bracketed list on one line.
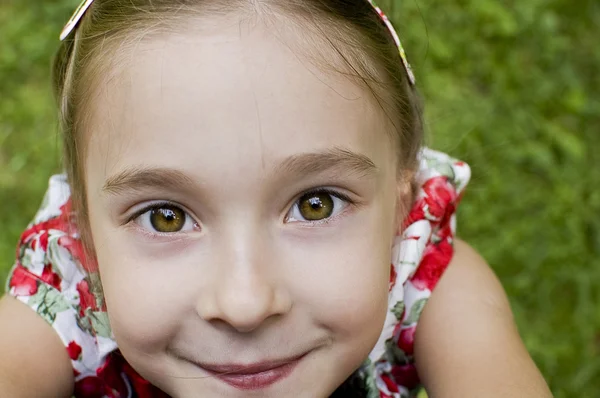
[(406, 191)]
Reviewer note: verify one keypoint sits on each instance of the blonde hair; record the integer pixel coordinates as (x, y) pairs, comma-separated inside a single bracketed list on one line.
[(352, 29)]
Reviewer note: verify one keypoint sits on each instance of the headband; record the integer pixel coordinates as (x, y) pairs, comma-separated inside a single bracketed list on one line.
[(85, 4)]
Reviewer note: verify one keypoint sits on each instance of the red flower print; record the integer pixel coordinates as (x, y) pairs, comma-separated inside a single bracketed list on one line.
[(91, 387), (406, 376), (406, 340), (50, 277), (29, 233), (444, 234), (67, 208), (57, 223), (110, 373), (391, 385), (60, 223), (74, 350), (417, 213), (75, 247), (393, 276), (23, 282), (109, 382), (43, 239), (86, 299), (433, 264), (440, 196)]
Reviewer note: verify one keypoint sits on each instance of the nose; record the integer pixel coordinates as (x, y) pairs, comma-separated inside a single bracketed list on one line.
[(244, 293)]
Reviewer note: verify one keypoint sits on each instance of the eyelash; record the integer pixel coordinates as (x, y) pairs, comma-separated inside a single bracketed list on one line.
[(319, 191), (154, 206), (148, 208)]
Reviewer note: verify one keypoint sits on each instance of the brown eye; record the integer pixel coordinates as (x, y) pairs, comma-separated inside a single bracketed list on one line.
[(167, 219), (316, 206)]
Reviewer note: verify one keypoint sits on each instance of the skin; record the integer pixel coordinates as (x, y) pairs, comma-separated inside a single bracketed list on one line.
[(236, 142), (479, 353)]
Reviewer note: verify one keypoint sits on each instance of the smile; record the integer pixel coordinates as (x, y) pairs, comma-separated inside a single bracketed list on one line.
[(254, 376)]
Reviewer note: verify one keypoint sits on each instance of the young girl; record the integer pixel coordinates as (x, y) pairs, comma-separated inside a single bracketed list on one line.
[(239, 175)]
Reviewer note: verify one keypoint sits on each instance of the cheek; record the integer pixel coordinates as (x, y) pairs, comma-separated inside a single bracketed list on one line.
[(144, 305), (353, 290), (346, 280), (347, 294)]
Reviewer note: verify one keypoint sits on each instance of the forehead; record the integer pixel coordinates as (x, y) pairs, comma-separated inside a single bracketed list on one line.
[(240, 95)]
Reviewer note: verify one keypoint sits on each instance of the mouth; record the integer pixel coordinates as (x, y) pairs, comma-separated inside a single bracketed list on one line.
[(254, 376)]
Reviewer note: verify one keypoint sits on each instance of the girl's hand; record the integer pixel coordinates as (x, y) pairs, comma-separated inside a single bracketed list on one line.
[(33, 360), (467, 344)]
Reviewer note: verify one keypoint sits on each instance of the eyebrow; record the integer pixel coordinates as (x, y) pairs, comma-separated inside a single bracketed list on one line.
[(336, 160), (138, 178), (332, 160)]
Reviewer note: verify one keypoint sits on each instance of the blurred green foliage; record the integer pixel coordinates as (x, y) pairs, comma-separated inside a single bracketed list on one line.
[(511, 87)]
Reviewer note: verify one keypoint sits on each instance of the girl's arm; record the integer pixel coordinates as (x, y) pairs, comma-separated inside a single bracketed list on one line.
[(33, 360), (467, 344)]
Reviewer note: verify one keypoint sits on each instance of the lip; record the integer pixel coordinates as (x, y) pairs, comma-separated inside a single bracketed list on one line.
[(254, 376)]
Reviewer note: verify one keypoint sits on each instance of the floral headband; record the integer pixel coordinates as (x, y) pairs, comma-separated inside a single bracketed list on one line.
[(85, 4)]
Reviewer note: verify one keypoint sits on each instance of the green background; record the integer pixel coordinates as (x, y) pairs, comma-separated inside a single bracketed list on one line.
[(511, 87)]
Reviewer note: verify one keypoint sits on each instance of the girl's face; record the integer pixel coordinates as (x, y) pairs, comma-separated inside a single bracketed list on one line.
[(243, 204)]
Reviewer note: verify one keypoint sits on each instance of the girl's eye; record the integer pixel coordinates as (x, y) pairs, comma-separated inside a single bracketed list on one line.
[(165, 219), (316, 206)]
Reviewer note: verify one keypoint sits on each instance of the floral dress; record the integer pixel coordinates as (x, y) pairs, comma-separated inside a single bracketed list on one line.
[(49, 279)]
